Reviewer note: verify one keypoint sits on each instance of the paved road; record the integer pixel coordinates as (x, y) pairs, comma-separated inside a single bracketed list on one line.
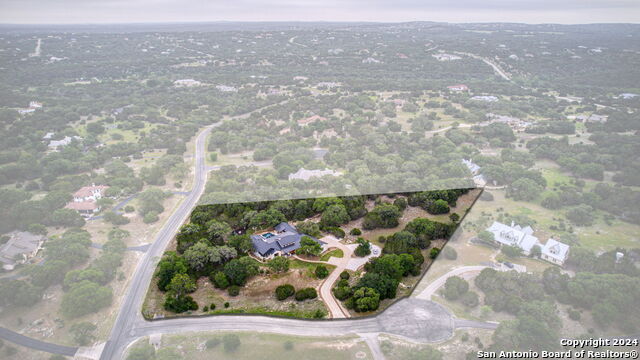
[(435, 285), (415, 319), (36, 344), (503, 74), (132, 303)]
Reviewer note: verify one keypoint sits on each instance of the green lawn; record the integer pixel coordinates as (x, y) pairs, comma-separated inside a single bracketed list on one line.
[(335, 253)]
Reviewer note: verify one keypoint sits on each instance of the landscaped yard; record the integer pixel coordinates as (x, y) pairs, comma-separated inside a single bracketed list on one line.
[(257, 296)]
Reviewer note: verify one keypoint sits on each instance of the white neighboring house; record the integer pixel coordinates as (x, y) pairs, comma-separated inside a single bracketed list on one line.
[(186, 83), (304, 174), (55, 145), (226, 88), (446, 57), (20, 248), (85, 199), (555, 252), (514, 235), (33, 105), (486, 98), (458, 88), (478, 178)]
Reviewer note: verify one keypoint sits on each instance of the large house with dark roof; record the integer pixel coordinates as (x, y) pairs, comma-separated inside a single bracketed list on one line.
[(284, 239)]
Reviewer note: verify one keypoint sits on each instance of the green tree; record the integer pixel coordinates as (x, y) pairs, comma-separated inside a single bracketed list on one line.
[(239, 270), (170, 265), (363, 249), (308, 246), (321, 272), (365, 299), (279, 264), (218, 231), (524, 189), (334, 215), (455, 287), (84, 298), (181, 284), (202, 255), (285, 291), (83, 332), (511, 251)]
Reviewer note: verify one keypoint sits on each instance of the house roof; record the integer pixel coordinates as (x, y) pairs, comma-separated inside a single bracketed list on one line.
[(286, 239), (513, 235), (20, 242), (82, 205), (556, 250), (87, 191), (304, 174)]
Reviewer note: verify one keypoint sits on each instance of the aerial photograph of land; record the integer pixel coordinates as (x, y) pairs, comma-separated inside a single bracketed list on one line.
[(345, 181)]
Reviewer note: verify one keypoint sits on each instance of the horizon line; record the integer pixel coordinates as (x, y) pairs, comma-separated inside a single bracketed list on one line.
[(187, 22)]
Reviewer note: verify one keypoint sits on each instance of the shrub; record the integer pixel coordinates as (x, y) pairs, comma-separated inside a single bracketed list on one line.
[(212, 306), (179, 304), (288, 345), (449, 253), (574, 314), (319, 314), (455, 287), (234, 290), (342, 292), (345, 275), (470, 299), (220, 280), (363, 249), (434, 253), (321, 272), (306, 293), (212, 343), (226, 305), (335, 231), (150, 217), (284, 291), (400, 203), (129, 209), (355, 232), (205, 308)]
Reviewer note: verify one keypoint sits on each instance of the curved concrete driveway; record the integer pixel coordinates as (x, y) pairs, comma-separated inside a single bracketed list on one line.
[(335, 307), (436, 284)]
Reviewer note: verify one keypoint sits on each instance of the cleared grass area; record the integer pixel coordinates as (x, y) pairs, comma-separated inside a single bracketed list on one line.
[(333, 253), (256, 297), (264, 346), (597, 237)]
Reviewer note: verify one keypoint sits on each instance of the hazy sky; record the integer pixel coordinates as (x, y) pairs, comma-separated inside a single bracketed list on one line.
[(110, 11)]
